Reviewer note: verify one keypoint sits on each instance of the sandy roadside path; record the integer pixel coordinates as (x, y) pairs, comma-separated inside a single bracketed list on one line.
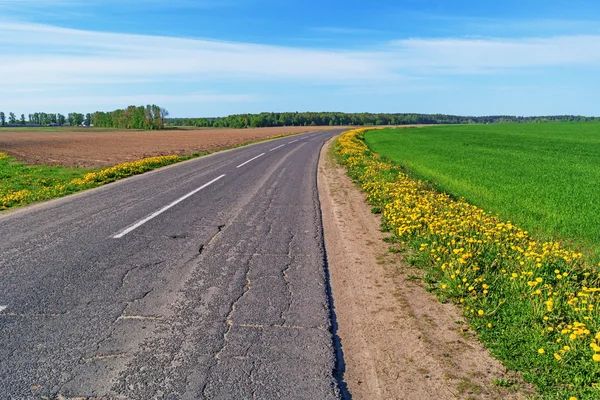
[(398, 341)]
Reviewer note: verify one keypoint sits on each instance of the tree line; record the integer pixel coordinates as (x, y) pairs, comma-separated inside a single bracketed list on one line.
[(148, 117), (43, 119), (338, 118), (152, 117)]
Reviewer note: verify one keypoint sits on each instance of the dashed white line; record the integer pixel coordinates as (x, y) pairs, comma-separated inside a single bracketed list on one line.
[(2, 308), (162, 210), (252, 159), (278, 147), (293, 141)]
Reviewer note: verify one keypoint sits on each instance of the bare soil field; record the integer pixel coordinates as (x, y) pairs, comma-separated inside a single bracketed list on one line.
[(102, 148), (398, 341)]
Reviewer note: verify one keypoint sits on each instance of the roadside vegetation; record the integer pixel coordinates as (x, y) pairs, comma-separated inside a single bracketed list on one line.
[(545, 177), (533, 303)]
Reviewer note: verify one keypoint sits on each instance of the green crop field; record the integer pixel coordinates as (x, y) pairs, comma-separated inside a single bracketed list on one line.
[(544, 177)]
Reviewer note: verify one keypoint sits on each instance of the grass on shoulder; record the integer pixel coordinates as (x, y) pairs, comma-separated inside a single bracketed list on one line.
[(534, 304), (545, 177), (25, 184)]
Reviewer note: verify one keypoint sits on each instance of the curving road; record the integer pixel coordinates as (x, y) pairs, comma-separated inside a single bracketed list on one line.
[(202, 280)]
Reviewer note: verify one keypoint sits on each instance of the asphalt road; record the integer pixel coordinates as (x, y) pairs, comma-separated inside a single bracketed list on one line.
[(205, 279)]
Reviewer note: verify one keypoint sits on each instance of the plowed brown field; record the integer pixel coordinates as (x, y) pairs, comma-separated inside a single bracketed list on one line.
[(98, 148)]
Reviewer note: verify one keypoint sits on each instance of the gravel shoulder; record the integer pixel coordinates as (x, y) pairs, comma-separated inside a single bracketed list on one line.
[(398, 341)]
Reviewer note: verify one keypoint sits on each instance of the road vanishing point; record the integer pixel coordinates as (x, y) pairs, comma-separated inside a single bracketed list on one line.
[(202, 280)]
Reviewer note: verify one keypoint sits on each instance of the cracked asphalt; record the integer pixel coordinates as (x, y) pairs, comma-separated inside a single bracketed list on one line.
[(222, 296)]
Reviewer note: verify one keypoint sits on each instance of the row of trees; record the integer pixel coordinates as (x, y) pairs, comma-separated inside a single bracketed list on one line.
[(143, 117), (336, 119), (44, 119), (149, 117)]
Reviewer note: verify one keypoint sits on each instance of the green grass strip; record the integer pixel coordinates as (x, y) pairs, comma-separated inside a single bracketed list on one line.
[(22, 184)]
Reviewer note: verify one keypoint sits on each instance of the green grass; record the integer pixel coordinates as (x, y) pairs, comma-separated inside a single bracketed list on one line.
[(40, 180), (544, 177), (15, 175)]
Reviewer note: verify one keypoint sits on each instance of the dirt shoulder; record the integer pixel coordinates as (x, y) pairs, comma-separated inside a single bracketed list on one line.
[(100, 148), (398, 341)]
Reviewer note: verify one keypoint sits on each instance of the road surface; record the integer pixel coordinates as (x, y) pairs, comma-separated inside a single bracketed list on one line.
[(205, 279)]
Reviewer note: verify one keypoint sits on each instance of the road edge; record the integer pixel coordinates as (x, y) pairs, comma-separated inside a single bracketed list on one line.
[(339, 367)]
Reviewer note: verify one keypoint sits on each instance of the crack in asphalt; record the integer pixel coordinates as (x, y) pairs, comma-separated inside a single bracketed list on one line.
[(140, 317), (252, 382), (104, 357), (296, 327), (286, 280), (229, 317), (210, 239), (111, 331)]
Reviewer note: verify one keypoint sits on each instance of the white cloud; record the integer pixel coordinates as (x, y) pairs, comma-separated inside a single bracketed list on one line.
[(40, 53), (33, 54)]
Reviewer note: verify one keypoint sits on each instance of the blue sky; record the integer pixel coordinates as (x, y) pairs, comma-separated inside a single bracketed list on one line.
[(212, 58)]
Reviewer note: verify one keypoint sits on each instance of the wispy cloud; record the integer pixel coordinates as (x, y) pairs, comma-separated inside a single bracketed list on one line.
[(541, 26), (40, 53), (466, 56)]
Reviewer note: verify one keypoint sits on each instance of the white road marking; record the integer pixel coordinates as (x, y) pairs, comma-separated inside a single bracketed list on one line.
[(2, 308), (162, 210), (278, 147), (252, 159), (293, 141)]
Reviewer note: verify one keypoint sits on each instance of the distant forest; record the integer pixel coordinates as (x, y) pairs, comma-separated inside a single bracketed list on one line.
[(153, 117), (337, 119)]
